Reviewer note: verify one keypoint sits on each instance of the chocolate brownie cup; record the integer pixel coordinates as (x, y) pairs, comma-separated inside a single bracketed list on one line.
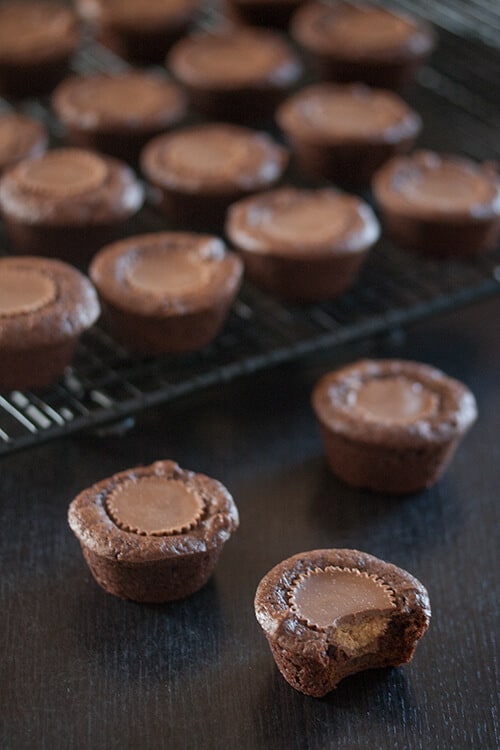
[(153, 533), (44, 307), (118, 114), (166, 292), (238, 74), (330, 613), (139, 30), (346, 132), (391, 426), (274, 13), (302, 245), (68, 203), (37, 40), (358, 42), (201, 170), (440, 205), (21, 138)]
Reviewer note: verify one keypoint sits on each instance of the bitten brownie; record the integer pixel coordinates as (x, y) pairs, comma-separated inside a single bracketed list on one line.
[(363, 42), (302, 245), (166, 291), (440, 205), (330, 613), (391, 426), (37, 40), (21, 138), (153, 533), (118, 114), (68, 203), (44, 307)]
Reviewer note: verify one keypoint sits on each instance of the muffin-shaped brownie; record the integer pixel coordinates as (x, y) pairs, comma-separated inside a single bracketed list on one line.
[(21, 137), (330, 613), (391, 425), (276, 13), (37, 40), (153, 533), (68, 203), (440, 205), (240, 74), (139, 30), (44, 307), (346, 132), (166, 292), (303, 245), (201, 170), (118, 114), (358, 42)]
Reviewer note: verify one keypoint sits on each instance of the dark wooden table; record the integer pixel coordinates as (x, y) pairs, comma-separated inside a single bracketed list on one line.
[(81, 669)]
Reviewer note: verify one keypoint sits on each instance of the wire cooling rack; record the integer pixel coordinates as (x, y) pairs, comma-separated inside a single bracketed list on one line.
[(457, 97)]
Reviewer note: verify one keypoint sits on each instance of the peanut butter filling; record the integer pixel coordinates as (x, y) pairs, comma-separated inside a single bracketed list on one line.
[(24, 291), (154, 506), (394, 400), (166, 271), (63, 173)]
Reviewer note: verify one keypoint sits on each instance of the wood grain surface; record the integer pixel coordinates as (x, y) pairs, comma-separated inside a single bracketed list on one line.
[(81, 669)]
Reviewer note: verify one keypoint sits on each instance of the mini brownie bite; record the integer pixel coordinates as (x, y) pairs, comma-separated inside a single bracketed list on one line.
[(118, 114), (21, 137), (238, 74), (391, 426), (153, 533), (346, 132), (361, 42), (276, 13), (68, 203), (44, 307), (330, 613), (37, 40), (166, 292), (440, 205), (139, 30), (202, 169), (303, 245)]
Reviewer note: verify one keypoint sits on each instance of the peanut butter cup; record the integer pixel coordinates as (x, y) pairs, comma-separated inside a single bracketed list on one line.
[(330, 613), (153, 533), (44, 307), (440, 205), (391, 426), (118, 114), (346, 132), (21, 138), (68, 203), (166, 292), (274, 13), (240, 74), (202, 169), (302, 245), (361, 42), (37, 40), (139, 30)]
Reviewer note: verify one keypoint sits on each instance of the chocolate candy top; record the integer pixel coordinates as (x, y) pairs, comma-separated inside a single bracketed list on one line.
[(302, 222), (131, 101), (70, 186), (213, 159), (394, 403), (20, 138), (360, 32), (34, 31), (153, 512), (236, 58), (429, 185), (166, 273), (346, 113)]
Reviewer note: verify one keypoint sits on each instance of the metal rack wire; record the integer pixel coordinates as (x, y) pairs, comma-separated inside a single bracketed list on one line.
[(457, 98)]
